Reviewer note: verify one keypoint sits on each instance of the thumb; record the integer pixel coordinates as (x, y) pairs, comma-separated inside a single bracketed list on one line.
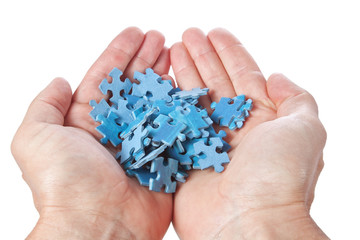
[(290, 98), (52, 103)]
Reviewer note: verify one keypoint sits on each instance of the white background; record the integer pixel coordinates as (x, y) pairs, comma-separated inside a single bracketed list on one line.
[(314, 43)]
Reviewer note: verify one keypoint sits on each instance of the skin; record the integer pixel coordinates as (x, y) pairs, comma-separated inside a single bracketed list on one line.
[(70, 173), (276, 158), (265, 192)]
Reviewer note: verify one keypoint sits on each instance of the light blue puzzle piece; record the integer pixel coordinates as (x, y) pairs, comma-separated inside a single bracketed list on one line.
[(229, 109), (195, 93), (149, 157), (139, 120), (165, 172), (124, 113), (181, 176), (151, 85), (185, 157), (238, 122), (116, 87), (110, 129), (212, 133), (101, 108), (166, 132), (143, 175), (134, 145), (192, 118), (164, 107), (212, 158)]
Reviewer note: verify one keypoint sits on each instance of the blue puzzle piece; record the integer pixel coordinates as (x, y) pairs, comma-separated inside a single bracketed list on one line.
[(181, 176), (238, 122), (101, 108), (139, 120), (134, 145), (143, 175), (192, 118), (166, 132), (185, 157), (165, 172), (110, 129), (116, 87), (229, 109), (124, 113), (212, 133), (149, 157), (192, 94), (135, 102), (209, 157), (164, 107), (152, 85)]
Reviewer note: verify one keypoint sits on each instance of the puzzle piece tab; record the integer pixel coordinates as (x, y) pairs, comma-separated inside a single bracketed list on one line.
[(165, 173)]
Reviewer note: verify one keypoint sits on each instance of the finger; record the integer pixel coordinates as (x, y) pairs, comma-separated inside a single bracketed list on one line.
[(208, 64), (186, 74), (52, 104), (243, 71), (162, 64), (168, 77), (118, 54), (289, 98), (147, 54)]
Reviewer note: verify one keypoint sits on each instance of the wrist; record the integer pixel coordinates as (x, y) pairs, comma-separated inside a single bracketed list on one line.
[(278, 223), (78, 225)]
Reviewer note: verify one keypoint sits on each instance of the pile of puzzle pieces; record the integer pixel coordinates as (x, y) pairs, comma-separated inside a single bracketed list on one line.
[(162, 132)]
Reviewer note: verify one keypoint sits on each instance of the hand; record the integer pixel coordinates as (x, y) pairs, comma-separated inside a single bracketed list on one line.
[(266, 190), (79, 189)]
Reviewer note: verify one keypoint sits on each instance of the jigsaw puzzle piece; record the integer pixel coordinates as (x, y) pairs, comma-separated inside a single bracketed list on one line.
[(116, 87), (124, 113), (101, 108), (142, 174), (149, 157), (133, 146), (238, 122), (165, 173), (209, 157), (166, 132), (212, 133), (228, 109), (135, 102), (140, 119), (152, 85), (166, 107), (192, 118), (185, 157), (181, 176), (110, 129), (195, 93)]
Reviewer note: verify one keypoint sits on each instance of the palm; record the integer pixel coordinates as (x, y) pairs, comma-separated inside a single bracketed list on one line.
[(209, 200)]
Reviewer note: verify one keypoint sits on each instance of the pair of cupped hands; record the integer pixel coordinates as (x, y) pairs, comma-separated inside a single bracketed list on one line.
[(265, 192)]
